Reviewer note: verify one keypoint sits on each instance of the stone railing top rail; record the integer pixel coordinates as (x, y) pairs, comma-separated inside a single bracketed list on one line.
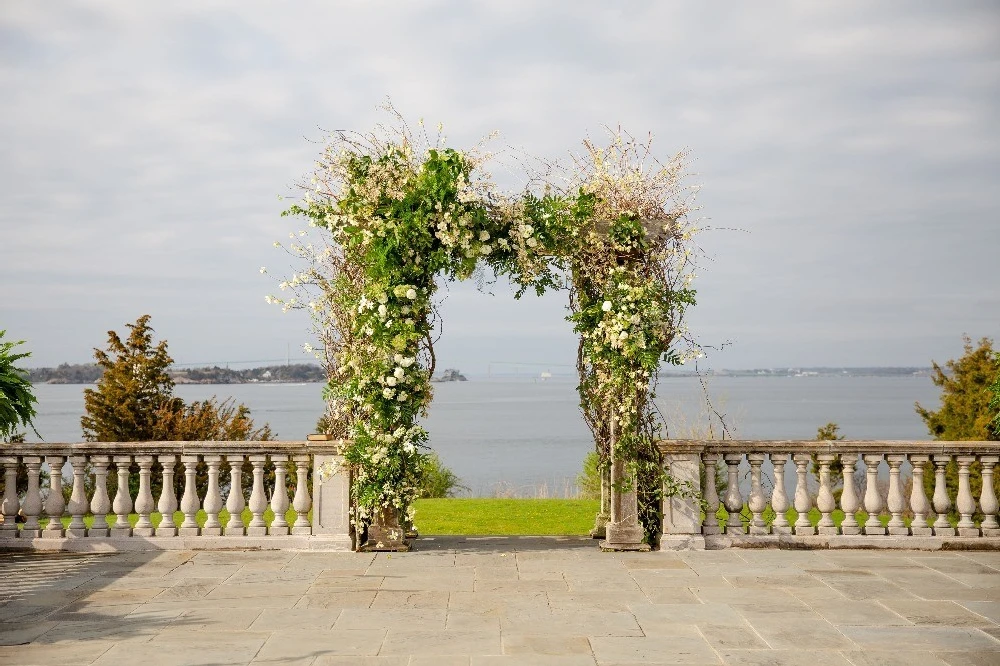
[(816, 446), (302, 447)]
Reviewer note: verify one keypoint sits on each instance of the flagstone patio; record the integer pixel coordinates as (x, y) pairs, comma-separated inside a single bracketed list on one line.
[(501, 601)]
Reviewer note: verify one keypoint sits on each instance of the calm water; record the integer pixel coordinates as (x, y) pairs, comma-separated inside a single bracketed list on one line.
[(524, 434)]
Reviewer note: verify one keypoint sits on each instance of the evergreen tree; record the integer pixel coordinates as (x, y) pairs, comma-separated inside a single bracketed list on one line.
[(134, 387)]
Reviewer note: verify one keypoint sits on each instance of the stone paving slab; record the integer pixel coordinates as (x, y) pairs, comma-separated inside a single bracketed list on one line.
[(502, 602)]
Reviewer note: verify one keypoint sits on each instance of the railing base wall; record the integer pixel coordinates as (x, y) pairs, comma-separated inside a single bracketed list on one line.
[(338, 543), (858, 542)]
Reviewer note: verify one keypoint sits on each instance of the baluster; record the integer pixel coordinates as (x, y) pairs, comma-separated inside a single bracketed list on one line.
[(757, 500), (896, 502), (849, 501), (123, 500), (279, 500), (942, 503), (100, 503), (235, 502), (988, 498), (302, 502), (918, 498), (167, 503), (711, 525), (189, 501), (258, 500), (734, 500), (32, 505), (966, 502), (55, 504), (10, 505), (78, 499), (825, 501), (213, 498), (144, 499), (779, 498), (802, 500), (873, 499)]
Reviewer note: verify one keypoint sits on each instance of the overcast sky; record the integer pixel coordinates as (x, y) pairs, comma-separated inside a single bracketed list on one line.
[(143, 147)]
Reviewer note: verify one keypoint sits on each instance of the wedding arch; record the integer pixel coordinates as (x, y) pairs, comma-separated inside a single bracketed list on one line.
[(395, 211)]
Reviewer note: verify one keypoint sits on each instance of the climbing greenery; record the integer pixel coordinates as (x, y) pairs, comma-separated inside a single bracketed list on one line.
[(394, 214)]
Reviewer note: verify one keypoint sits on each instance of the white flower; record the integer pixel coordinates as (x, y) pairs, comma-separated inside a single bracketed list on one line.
[(532, 242), (606, 306), (387, 393), (398, 358), (382, 298), (527, 230), (406, 362), (390, 381), (485, 249), (483, 236), (382, 310), (411, 294), (399, 373), (623, 335), (263, 269)]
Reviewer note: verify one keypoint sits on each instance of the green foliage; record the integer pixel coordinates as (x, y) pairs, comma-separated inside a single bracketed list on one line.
[(437, 480), (17, 401), (995, 400), (966, 396), (829, 433), (589, 480), (967, 411)]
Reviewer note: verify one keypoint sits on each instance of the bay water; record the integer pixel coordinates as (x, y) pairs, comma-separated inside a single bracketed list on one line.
[(526, 437)]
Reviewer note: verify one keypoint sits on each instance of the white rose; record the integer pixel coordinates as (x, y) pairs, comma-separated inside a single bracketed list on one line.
[(532, 242), (486, 249), (390, 381), (483, 236), (398, 373), (382, 310), (411, 294), (398, 358), (406, 362), (606, 306), (387, 393), (623, 335)]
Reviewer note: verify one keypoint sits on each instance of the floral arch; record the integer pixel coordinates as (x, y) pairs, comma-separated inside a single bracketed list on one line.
[(396, 213)]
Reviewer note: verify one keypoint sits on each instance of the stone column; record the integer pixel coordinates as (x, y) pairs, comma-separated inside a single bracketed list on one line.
[(623, 530), (55, 505), (10, 505), (918, 498), (988, 499), (78, 499)]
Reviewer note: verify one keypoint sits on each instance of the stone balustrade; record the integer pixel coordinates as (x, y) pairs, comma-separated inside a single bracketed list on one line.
[(321, 517), (877, 480)]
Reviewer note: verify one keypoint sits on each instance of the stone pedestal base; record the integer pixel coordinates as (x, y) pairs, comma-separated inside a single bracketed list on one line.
[(143, 531), (624, 536), (682, 542), (600, 529)]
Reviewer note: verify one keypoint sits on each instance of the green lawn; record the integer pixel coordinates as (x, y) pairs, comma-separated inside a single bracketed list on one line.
[(505, 516)]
